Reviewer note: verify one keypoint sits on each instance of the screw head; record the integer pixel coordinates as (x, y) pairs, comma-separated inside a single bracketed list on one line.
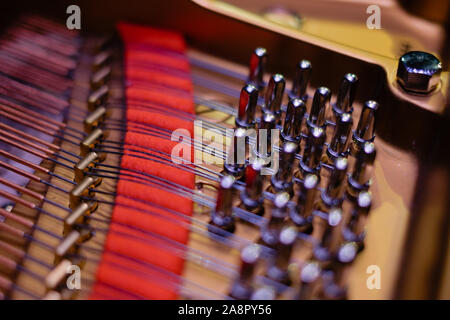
[(419, 72)]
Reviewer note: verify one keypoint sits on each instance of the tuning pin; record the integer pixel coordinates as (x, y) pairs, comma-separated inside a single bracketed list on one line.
[(302, 215), (310, 162), (278, 271), (355, 228), (330, 237), (251, 197), (346, 94), (347, 253), (319, 107), (309, 275), (237, 154), (258, 62), (222, 216), (263, 147), (282, 180), (365, 131), (332, 195), (264, 293), (274, 95), (341, 138), (242, 286), (300, 83), (293, 121), (334, 283), (271, 231), (360, 178), (247, 106)]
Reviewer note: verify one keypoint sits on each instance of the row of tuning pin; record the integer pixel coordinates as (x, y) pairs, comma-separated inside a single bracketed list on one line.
[(295, 115), (335, 243), (270, 280), (275, 233), (340, 185), (312, 156), (295, 112)]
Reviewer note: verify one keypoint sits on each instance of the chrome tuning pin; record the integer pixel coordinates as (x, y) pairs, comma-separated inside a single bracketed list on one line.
[(292, 126), (251, 196), (346, 94), (319, 108), (248, 101), (332, 195), (274, 95), (330, 238), (242, 287), (270, 232), (237, 154), (360, 178), (355, 228), (300, 83), (264, 293), (365, 131), (257, 67), (309, 276), (263, 146), (334, 276), (278, 271), (301, 216), (222, 216), (340, 141), (282, 179), (312, 155)]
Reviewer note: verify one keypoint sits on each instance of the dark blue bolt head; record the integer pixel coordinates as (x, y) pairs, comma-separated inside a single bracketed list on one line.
[(419, 72)]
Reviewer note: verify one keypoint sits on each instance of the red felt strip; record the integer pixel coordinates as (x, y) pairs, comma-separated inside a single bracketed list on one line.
[(171, 101), (138, 258), (142, 246), (151, 219), (163, 143), (154, 194), (129, 276), (138, 57), (158, 118), (168, 172), (132, 33), (159, 77)]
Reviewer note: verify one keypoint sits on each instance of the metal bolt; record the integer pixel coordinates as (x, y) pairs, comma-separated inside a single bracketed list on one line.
[(419, 72)]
